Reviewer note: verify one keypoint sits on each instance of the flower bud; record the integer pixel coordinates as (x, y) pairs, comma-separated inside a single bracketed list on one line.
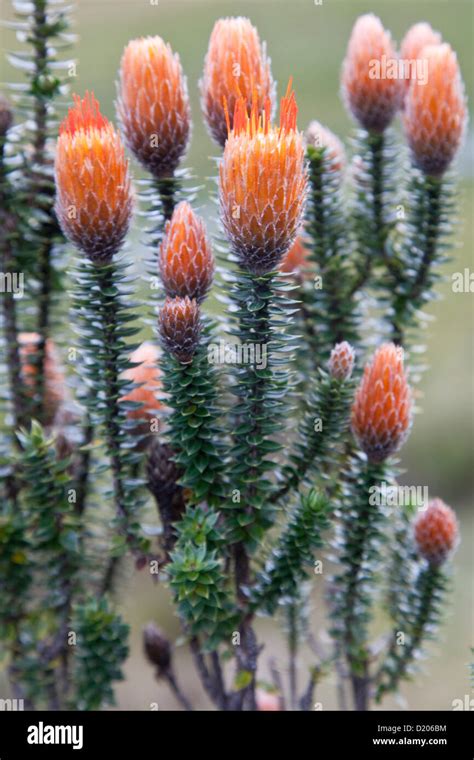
[(319, 137), (262, 185), (436, 532), (418, 37), (435, 114), (372, 97), (180, 327), (157, 648), (94, 197), (341, 361), (153, 105), (236, 66), (381, 413), (186, 263)]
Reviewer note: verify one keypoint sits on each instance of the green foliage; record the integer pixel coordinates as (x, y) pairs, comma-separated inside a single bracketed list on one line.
[(198, 579), (194, 432), (285, 570), (262, 311), (101, 649), (15, 567)]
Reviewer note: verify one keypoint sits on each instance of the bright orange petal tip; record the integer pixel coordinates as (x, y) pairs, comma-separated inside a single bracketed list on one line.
[(435, 115), (369, 91), (153, 105), (436, 532), (236, 66), (321, 138), (93, 189), (382, 409), (262, 184), (186, 263)]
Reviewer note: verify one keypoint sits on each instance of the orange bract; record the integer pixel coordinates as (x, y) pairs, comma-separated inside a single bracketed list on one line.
[(381, 413), (186, 262), (436, 532), (262, 184), (236, 66), (418, 37), (55, 392), (93, 191), (435, 113), (153, 105), (372, 98), (147, 375)]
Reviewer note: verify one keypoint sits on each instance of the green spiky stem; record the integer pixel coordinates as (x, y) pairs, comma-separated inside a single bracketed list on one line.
[(168, 188), (329, 402), (421, 250), (362, 524), (424, 602)]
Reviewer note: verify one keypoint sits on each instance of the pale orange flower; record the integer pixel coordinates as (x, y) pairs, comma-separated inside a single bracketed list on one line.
[(146, 375), (262, 184), (381, 413), (320, 137), (236, 65), (436, 532), (186, 263), (435, 114), (341, 361), (295, 259), (418, 37), (153, 105), (373, 99), (93, 190), (55, 389)]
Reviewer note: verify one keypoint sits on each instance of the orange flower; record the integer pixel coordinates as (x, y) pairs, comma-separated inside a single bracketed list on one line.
[(371, 96), (146, 375), (381, 413), (94, 198), (341, 361), (262, 184), (418, 37), (180, 327), (186, 262), (55, 391), (436, 532), (435, 113), (320, 137), (236, 65), (153, 105), (295, 259)]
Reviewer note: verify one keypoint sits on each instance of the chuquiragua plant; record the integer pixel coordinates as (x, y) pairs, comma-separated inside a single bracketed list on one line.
[(263, 436)]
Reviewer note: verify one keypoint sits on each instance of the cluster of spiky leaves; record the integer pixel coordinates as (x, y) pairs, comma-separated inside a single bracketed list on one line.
[(15, 567), (322, 428), (104, 311), (194, 433), (413, 267), (101, 648), (285, 570), (329, 310), (260, 386), (198, 580), (424, 611)]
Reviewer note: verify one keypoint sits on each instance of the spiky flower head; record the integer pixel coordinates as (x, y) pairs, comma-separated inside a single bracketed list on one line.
[(236, 66), (435, 114), (381, 413), (93, 190), (418, 37), (372, 98), (180, 327), (55, 389), (436, 532), (341, 361), (153, 105), (295, 259), (319, 137), (186, 262), (157, 648), (147, 377), (6, 115), (262, 184)]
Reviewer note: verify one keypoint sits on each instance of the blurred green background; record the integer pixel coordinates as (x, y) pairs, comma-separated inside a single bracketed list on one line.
[(307, 41)]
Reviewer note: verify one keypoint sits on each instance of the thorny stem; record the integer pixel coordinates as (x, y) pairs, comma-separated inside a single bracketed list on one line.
[(176, 689), (292, 651)]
